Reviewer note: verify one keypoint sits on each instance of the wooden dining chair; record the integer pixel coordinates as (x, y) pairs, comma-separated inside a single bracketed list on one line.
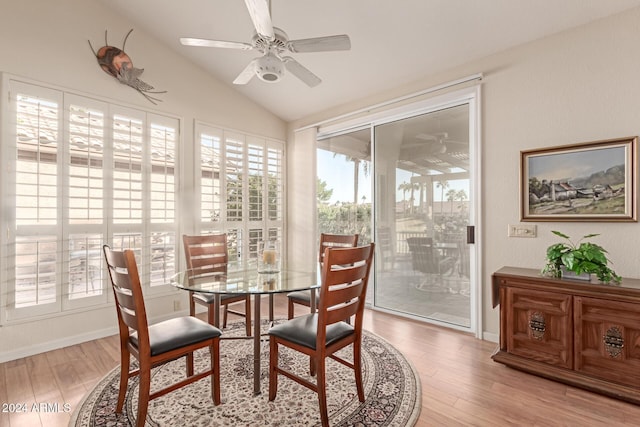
[(209, 254), (345, 274), (154, 345), (326, 241)]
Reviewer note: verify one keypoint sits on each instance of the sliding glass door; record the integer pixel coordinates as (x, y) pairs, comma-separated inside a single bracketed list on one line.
[(344, 186), (406, 179), (422, 216)]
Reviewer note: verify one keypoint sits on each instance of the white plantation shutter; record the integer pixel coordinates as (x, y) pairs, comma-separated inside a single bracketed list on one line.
[(256, 177), (127, 169), (256, 188), (275, 184), (85, 266), (84, 219), (163, 140), (275, 190), (163, 181), (37, 160), (84, 173), (144, 191), (36, 272), (235, 176), (33, 259), (210, 177), (86, 164), (241, 188)]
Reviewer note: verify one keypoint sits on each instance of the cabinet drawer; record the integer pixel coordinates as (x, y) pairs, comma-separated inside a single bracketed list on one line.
[(607, 340), (540, 326)]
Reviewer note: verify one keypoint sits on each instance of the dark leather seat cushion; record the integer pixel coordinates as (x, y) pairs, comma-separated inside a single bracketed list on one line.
[(303, 330), (178, 332), (301, 296), (210, 298)]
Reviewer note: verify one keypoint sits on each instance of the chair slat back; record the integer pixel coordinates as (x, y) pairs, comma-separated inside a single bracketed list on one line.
[(336, 241), (206, 253), (125, 281), (345, 274)]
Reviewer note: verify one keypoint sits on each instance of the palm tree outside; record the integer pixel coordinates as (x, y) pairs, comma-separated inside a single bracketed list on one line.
[(442, 185), (452, 195)]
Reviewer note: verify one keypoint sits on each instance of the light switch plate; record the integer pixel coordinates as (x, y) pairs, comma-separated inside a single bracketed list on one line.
[(522, 230)]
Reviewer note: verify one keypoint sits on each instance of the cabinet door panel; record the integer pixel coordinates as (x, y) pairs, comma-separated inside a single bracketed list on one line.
[(540, 326), (607, 339)]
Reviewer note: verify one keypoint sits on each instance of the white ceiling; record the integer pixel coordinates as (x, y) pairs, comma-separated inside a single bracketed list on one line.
[(392, 42)]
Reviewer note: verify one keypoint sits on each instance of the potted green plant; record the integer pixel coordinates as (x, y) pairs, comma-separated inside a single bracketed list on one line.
[(579, 258)]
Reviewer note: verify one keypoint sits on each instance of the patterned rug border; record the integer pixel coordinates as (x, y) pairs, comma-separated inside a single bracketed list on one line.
[(411, 420)]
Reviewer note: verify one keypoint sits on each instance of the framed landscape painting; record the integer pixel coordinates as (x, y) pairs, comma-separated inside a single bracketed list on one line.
[(594, 181)]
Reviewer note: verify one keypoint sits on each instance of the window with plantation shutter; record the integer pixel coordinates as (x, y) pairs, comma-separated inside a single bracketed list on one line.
[(144, 191), (210, 178), (234, 177), (275, 183), (82, 173), (84, 200), (37, 145), (255, 161), (33, 258), (163, 166), (86, 165), (241, 186), (163, 140), (127, 169)]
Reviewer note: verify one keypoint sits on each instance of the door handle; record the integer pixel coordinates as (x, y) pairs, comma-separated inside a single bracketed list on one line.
[(471, 234)]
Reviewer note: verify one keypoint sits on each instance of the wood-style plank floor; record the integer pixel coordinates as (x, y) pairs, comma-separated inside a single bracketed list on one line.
[(461, 385)]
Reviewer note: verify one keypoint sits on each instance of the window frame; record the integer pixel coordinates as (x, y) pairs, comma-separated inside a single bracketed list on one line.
[(62, 229), (250, 231)]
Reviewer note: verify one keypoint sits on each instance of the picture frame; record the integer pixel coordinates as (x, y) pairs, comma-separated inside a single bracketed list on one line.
[(592, 181)]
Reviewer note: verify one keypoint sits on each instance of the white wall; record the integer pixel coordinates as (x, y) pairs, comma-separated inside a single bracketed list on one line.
[(577, 86), (46, 41)]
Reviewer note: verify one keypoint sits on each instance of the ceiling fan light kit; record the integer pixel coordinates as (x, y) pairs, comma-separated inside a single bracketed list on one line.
[(272, 42), (269, 68)]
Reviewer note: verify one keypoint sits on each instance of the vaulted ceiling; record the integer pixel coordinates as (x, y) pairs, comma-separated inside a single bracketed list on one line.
[(392, 42)]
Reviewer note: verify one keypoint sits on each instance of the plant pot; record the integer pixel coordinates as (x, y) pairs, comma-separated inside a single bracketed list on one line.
[(567, 274)]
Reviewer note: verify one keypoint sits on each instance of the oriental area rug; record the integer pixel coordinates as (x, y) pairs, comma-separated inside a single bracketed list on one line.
[(392, 391)]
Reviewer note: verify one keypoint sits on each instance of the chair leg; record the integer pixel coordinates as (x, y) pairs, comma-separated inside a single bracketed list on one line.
[(273, 364), (144, 389), (322, 393), (211, 314), (312, 366), (226, 312), (192, 305), (215, 375), (124, 378), (357, 367), (189, 364), (290, 309), (247, 315)]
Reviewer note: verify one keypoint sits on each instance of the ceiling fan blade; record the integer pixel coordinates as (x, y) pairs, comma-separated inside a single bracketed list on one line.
[(261, 18), (187, 41), (247, 74), (320, 44), (295, 68)]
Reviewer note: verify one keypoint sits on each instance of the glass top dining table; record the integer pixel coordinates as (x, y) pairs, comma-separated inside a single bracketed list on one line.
[(248, 282)]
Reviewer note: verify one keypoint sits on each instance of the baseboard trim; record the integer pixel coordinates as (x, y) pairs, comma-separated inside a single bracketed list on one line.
[(72, 340)]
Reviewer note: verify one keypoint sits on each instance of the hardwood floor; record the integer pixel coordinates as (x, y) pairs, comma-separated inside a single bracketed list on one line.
[(461, 385)]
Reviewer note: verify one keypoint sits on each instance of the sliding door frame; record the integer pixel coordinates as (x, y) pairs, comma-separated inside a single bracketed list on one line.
[(472, 96)]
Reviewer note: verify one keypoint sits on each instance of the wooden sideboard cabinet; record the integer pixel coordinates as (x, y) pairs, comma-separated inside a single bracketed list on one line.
[(586, 334)]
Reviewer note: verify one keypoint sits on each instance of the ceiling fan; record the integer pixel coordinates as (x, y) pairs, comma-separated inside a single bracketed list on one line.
[(439, 143), (272, 42)]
